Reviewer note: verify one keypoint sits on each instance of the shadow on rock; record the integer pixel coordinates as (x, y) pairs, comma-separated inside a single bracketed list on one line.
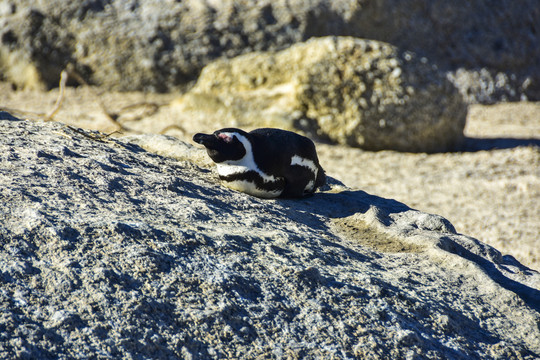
[(342, 204), (471, 144)]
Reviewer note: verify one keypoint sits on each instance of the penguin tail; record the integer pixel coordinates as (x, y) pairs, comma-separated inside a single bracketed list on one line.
[(321, 178)]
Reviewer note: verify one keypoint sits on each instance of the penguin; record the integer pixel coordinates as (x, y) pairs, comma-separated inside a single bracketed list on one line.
[(266, 163)]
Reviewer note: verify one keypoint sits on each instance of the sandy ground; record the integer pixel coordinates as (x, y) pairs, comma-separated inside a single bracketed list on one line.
[(491, 192)]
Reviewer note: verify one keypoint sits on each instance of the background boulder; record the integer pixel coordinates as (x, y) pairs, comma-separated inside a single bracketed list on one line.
[(108, 250), (160, 46), (356, 92)]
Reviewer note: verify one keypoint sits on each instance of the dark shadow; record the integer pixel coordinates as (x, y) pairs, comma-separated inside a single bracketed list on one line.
[(471, 144), (4, 115), (340, 205)]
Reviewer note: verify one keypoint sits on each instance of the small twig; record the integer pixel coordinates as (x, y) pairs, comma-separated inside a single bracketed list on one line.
[(147, 109), (62, 85), (98, 137), (153, 106), (112, 133), (170, 127)]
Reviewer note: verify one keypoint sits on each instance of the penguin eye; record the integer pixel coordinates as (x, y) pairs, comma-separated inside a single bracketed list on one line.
[(225, 137)]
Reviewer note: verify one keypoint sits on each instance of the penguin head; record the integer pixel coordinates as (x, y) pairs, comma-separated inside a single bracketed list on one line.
[(224, 145)]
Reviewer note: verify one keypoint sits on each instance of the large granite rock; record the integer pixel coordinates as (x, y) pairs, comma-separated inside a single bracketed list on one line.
[(160, 45), (109, 251), (351, 91)]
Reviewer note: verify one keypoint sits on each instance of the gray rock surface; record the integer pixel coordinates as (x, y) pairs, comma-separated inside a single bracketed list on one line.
[(350, 91), (111, 251), (160, 45)]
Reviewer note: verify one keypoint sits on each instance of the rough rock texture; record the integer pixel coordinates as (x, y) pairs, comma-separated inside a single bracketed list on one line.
[(110, 251), (159, 45), (351, 91)]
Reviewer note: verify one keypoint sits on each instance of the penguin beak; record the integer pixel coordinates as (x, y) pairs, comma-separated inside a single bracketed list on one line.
[(209, 141)]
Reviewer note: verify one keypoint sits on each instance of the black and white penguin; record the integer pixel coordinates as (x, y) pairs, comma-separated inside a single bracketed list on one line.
[(267, 163)]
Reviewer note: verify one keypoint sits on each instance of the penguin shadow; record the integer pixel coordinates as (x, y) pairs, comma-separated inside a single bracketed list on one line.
[(335, 200), (332, 209), (330, 205)]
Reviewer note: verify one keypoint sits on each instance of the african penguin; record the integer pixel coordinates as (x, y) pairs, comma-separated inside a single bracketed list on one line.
[(267, 163)]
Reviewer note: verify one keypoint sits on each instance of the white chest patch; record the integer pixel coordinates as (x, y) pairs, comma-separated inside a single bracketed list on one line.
[(244, 165)]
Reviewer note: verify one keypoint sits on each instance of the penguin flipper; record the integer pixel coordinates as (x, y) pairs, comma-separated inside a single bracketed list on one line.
[(321, 178), (293, 192), (296, 183)]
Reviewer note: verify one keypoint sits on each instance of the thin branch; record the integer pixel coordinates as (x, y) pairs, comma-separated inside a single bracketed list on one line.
[(171, 127), (63, 79)]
